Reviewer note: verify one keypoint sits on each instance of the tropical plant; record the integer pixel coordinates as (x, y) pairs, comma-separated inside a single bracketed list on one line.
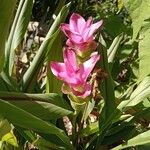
[(98, 98)]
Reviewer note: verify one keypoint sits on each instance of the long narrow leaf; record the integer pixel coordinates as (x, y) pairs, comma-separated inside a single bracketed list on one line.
[(139, 94), (17, 32), (107, 91), (31, 73), (26, 120), (45, 106), (140, 139), (106, 87), (52, 83), (6, 13), (113, 48)]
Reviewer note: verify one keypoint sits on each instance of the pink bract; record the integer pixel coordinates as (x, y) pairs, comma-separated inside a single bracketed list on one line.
[(74, 75), (80, 32)]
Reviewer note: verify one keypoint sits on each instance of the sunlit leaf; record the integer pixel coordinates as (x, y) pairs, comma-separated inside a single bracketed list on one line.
[(120, 4), (4, 127), (24, 119), (140, 139), (113, 48), (139, 11), (6, 13), (139, 94), (10, 138), (17, 32), (90, 129), (144, 54)]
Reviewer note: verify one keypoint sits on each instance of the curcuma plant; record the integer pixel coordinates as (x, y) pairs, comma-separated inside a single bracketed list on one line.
[(69, 81), (77, 64)]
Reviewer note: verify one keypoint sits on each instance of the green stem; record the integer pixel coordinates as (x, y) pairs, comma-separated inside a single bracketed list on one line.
[(74, 118), (81, 125)]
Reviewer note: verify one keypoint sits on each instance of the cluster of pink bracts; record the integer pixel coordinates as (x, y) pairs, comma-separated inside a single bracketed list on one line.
[(80, 42)]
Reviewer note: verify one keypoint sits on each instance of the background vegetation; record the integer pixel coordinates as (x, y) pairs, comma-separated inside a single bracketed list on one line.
[(34, 113)]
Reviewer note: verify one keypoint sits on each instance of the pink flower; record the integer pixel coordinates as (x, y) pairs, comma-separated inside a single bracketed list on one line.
[(74, 75), (80, 32)]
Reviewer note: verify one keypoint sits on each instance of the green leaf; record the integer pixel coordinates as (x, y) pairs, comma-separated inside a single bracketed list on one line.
[(141, 92), (111, 53), (144, 54), (6, 13), (139, 11), (28, 135), (24, 119), (106, 87), (107, 91), (53, 85), (122, 134), (17, 32), (10, 138), (88, 108), (114, 25), (90, 129), (140, 139), (9, 83), (120, 4), (46, 145), (30, 75), (4, 127), (45, 106), (138, 95)]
